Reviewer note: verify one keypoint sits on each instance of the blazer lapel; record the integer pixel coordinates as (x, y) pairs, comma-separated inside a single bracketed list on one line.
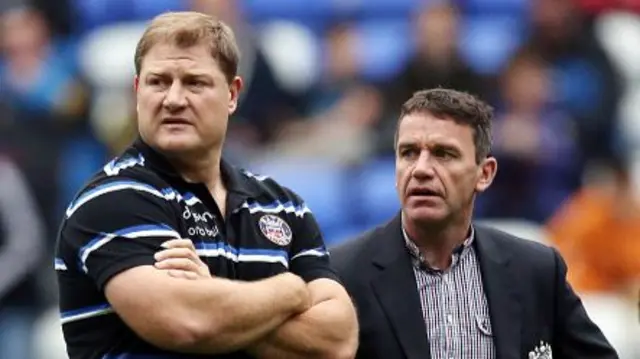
[(396, 290), (499, 284)]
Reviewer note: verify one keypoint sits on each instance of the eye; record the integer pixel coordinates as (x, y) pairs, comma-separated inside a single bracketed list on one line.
[(443, 153), (197, 83), (155, 81), (408, 152)]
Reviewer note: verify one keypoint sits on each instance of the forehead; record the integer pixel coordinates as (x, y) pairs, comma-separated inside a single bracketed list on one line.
[(169, 57), (426, 129)]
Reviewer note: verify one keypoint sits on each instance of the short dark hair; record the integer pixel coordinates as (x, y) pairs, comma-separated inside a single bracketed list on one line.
[(461, 107)]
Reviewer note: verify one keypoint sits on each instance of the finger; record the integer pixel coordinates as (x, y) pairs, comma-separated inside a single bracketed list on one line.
[(179, 243), (179, 264), (177, 253), (182, 274)]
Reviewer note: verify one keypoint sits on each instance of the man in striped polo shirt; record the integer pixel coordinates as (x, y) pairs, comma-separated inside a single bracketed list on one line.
[(269, 291)]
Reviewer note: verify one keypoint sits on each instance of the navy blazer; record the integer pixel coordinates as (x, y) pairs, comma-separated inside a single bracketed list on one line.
[(525, 283)]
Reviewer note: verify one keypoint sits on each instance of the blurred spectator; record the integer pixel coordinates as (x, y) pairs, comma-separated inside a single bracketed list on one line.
[(598, 232), (33, 75), (535, 143), (264, 104), (584, 79), (21, 249), (49, 103), (436, 63), (342, 108)]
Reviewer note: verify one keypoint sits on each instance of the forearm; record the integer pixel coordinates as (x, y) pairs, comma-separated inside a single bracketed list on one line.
[(329, 329), (247, 312), (214, 315)]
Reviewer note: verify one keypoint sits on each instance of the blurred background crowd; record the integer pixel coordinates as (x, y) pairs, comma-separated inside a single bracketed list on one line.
[(324, 83)]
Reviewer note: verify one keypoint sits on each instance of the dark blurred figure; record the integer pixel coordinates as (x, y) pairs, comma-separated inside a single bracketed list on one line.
[(342, 108), (48, 102), (21, 249), (34, 76), (586, 82), (58, 14), (264, 103), (536, 144), (436, 63)]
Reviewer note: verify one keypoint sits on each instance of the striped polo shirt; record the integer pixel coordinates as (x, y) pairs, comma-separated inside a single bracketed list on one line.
[(122, 216)]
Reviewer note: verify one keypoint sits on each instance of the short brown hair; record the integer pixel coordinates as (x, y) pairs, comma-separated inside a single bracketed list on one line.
[(462, 107), (188, 28)]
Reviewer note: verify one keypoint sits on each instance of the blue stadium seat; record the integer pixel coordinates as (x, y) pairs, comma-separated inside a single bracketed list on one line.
[(337, 236), (321, 185), (504, 7), (264, 10), (378, 198), (96, 13), (384, 48), (488, 41), (380, 9)]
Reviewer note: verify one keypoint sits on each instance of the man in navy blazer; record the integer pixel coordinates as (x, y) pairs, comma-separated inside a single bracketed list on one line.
[(430, 283)]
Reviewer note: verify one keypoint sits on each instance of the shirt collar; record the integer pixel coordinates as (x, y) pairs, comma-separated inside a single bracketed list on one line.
[(420, 261), (235, 179)]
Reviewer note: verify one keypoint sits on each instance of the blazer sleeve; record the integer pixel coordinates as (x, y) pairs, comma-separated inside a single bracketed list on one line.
[(576, 336)]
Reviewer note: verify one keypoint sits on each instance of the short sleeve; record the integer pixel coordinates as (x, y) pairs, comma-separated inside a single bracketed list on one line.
[(309, 257), (115, 226)]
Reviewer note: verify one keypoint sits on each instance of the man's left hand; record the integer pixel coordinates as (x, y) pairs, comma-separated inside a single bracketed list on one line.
[(180, 260)]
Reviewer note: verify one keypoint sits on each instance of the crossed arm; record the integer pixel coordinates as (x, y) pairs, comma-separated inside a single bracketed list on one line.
[(278, 317)]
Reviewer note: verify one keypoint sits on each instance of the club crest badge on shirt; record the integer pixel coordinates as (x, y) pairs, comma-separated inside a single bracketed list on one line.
[(543, 351), (275, 229)]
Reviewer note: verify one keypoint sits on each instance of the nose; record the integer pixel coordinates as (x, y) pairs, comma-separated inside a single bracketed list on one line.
[(423, 167), (175, 98)]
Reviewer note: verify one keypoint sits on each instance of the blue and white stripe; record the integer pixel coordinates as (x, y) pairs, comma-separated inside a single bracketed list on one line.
[(59, 265), (315, 252), (114, 167), (85, 313), (276, 207), (168, 194), (219, 249), (130, 232)]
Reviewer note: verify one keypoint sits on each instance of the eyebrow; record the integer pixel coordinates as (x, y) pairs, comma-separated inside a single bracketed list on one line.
[(444, 145), (183, 74)]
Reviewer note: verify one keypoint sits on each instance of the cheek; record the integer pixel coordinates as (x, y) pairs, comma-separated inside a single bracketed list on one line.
[(402, 176)]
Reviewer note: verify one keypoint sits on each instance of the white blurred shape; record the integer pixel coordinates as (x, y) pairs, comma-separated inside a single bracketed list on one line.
[(107, 53), (48, 338), (617, 317), (293, 53), (619, 34)]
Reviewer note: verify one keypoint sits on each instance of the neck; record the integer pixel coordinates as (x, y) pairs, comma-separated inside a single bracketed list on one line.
[(200, 169), (437, 242)]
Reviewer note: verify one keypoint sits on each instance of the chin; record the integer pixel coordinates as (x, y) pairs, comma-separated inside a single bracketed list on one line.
[(427, 215), (178, 143)]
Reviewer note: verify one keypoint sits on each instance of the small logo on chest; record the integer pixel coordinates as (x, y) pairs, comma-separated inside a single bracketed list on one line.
[(275, 229)]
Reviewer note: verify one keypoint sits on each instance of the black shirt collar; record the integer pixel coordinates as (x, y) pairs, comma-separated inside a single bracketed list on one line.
[(234, 179)]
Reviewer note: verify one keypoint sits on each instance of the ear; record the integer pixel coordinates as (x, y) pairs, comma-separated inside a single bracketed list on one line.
[(486, 173), (234, 92), (136, 87), (136, 83)]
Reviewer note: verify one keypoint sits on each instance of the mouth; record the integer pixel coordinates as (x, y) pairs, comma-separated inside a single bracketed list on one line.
[(175, 121), (424, 192)]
